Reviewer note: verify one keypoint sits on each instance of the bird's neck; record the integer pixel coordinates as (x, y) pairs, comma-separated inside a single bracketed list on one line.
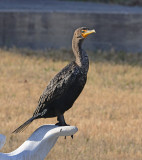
[(80, 55)]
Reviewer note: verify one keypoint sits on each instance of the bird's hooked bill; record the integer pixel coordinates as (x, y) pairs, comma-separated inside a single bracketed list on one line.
[(87, 32)]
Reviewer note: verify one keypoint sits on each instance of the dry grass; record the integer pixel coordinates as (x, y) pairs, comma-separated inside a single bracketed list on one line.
[(108, 113)]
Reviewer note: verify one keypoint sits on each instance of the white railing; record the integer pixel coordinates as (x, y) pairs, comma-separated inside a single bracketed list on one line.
[(39, 143)]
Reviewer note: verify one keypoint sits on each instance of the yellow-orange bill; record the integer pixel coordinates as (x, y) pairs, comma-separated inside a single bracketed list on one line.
[(87, 32)]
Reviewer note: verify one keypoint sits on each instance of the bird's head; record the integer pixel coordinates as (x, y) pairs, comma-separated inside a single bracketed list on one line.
[(83, 32)]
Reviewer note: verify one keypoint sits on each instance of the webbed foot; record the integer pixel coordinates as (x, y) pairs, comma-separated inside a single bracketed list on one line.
[(71, 137), (61, 124)]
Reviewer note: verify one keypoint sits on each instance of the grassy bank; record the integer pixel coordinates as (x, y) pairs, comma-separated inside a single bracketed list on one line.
[(108, 113)]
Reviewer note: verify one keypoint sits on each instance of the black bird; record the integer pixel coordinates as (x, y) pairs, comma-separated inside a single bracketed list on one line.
[(66, 86)]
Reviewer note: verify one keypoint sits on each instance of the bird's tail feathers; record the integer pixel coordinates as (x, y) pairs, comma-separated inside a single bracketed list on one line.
[(23, 126)]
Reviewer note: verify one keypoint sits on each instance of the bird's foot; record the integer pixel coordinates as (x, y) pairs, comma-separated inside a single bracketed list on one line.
[(61, 124), (71, 137)]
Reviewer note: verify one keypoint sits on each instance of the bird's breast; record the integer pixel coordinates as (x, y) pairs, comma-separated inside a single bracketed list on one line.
[(74, 91)]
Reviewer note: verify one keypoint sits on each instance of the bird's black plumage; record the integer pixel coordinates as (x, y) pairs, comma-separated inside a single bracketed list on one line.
[(65, 87)]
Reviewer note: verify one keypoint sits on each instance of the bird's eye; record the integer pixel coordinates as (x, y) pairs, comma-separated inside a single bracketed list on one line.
[(82, 31)]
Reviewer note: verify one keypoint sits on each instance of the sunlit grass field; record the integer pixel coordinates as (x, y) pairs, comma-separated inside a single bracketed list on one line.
[(108, 113)]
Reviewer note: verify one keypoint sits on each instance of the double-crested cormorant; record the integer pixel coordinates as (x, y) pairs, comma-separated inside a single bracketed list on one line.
[(66, 86)]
